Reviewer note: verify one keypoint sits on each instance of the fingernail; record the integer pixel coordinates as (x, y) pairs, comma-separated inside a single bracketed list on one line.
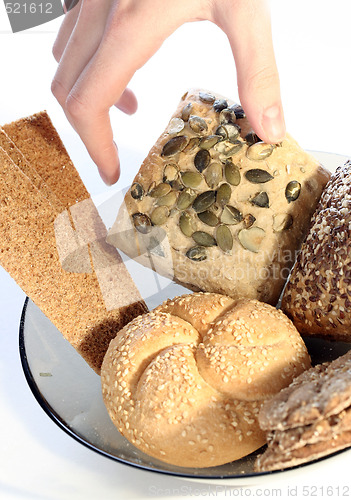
[(273, 123)]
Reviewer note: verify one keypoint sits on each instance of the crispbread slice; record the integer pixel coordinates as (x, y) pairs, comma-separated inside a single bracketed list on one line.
[(275, 459), (321, 430), (73, 302), (320, 392), (41, 145), (28, 169)]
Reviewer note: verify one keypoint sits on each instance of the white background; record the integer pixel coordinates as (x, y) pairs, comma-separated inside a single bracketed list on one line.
[(312, 41)]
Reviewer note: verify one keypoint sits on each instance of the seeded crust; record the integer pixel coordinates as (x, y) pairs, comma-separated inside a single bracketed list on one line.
[(185, 382), (258, 274), (321, 392), (318, 294), (309, 419), (82, 305)]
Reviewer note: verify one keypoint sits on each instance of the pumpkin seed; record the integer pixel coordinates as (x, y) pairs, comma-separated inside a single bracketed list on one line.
[(197, 124), (227, 116), (192, 144), (251, 138), (208, 218), (261, 200), (249, 220), (292, 191), (224, 238), (142, 223), (176, 125), (186, 225), (233, 130), (231, 215), (160, 190), (191, 179), (137, 191), (209, 141), (204, 239), (232, 173), (202, 160), (238, 110), (223, 194), (186, 112), (159, 215), (213, 175), (207, 98), (282, 222), (259, 151), (251, 239), (219, 105), (174, 145), (197, 254), (221, 131), (167, 200), (151, 187), (228, 149), (258, 176), (203, 201), (176, 185), (170, 173), (185, 199)]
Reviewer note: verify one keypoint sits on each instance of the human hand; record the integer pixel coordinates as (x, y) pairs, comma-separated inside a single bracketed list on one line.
[(101, 44)]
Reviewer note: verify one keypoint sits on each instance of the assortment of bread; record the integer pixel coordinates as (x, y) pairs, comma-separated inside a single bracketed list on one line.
[(208, 377), (185, 382), (216, 209)]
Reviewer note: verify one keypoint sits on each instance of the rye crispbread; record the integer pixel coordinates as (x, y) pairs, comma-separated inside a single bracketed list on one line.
[(87, 307), (309, 419)]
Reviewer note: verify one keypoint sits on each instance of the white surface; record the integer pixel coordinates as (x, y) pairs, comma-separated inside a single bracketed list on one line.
[(37, 460)]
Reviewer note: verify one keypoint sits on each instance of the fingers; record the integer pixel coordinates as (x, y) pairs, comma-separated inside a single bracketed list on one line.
[(248, 27), (65, 31), (130, 39)]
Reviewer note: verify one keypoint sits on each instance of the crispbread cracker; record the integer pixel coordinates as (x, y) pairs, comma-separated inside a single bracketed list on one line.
[(28, 169), (41, 145), (274, 459), (321, 430), (320, 392), (75, 302), (309, 419)]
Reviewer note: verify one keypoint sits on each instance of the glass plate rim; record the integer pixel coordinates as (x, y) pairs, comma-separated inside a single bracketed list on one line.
[(55, 417)]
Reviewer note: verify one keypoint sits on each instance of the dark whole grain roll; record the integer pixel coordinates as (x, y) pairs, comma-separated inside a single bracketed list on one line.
[(318, 295)]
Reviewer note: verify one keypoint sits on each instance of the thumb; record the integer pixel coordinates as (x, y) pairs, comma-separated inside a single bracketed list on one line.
[(248, 27)]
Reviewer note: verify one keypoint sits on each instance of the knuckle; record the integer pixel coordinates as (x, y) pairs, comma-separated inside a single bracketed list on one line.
[(58, 91), (73, 106)]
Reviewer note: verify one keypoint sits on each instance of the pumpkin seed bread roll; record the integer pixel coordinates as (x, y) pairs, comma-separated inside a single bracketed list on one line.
[(216, 209), (318, 294), (185, 382)]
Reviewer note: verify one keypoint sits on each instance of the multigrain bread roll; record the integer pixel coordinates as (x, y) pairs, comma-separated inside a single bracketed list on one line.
[(215, 208), (318, 295), (185, 382)]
